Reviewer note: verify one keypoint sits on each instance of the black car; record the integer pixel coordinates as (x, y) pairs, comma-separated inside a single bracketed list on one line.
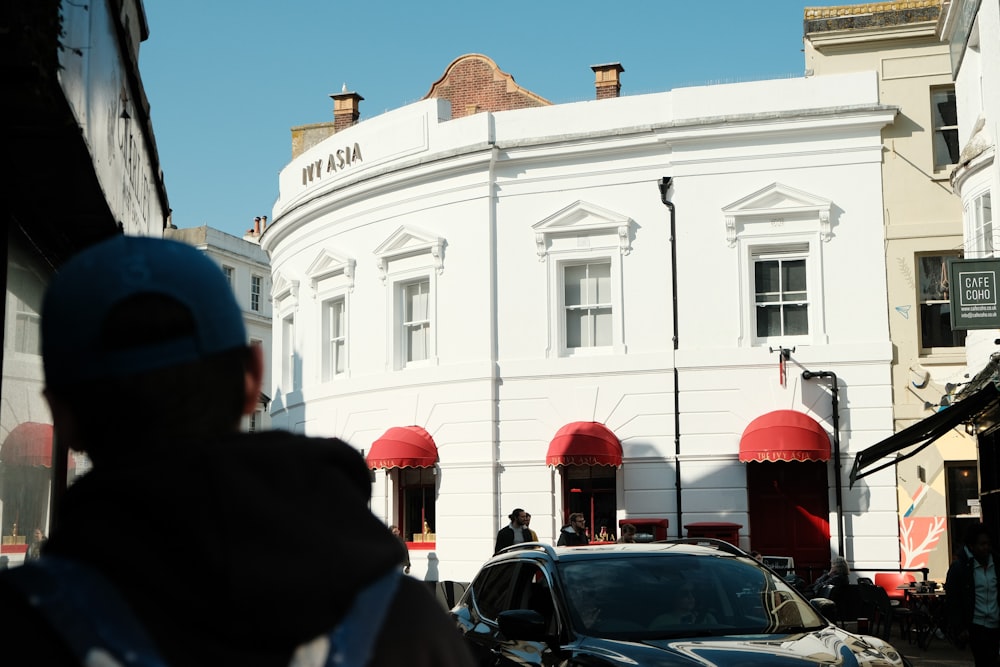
[(662, 603)]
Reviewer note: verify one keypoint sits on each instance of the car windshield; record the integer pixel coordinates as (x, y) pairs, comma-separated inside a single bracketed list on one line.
[(661, 596)]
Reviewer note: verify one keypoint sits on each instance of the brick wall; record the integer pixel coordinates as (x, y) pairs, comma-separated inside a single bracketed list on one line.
[(474, 83)]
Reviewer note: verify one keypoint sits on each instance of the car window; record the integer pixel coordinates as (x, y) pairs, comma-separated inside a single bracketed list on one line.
[(491, 589), (659, 596), (532, 591)]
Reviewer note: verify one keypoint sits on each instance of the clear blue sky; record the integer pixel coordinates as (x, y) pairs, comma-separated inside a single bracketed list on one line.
[(227, 80)]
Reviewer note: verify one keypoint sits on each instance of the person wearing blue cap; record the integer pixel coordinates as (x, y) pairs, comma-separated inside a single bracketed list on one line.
[(166, 552)]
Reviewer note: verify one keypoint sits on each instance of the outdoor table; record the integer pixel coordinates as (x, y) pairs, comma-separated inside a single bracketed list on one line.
[(928, 605)]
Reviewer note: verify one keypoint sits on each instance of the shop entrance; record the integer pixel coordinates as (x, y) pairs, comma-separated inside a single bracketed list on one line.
[(591, 491), (790, 513)]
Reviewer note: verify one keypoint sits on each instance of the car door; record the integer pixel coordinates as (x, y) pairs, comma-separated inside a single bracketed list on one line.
[(476, 615), (531, 590)]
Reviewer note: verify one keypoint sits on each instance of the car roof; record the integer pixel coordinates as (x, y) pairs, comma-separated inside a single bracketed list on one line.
[(683, 546)]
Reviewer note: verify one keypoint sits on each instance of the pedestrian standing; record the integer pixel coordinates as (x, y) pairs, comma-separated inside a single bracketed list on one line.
[(971, 597), (574, 534)]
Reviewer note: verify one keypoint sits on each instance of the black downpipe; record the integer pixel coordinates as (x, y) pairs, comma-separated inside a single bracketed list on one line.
[(664, 185), (835, 394)]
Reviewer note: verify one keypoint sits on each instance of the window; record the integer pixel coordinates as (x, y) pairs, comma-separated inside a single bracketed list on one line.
[(230, 274), (490, 590), (334, 338), (255, 288), (417, 493), (254, 424), (945, 120), (935, 309), (25, 297), (982, 242), (962, 494), (288, 353), (781, 298), (587, 300), (416, 321)]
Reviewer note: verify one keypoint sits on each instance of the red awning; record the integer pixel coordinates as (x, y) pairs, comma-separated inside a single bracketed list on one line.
[(30, 444), (403, 447), (584, 444), (784, 435)]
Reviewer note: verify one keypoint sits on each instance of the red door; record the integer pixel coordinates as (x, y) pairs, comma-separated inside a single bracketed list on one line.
[(790, 513)]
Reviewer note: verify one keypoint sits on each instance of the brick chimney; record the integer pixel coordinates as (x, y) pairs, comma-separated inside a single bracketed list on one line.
[(608, 80), (345, 109)]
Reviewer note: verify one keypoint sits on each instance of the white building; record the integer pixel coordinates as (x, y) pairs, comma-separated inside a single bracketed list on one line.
[(249, 272), (496, 278), (970, 28)]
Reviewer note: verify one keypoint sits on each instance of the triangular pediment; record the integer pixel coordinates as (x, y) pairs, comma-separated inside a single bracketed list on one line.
[(407, 242), (581, 216), (777, 201), (328, 264), (581, 219), (282, 287), (777, 197)]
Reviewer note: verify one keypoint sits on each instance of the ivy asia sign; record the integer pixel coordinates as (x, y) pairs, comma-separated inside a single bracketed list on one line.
[(973, 297)]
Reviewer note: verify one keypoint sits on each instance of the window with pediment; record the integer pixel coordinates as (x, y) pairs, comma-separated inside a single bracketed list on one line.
[(409, 262), (583, 245), (331, 278), (778, 232)]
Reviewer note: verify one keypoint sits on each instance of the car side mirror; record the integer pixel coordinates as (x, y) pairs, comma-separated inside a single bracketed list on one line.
[(523, 624)]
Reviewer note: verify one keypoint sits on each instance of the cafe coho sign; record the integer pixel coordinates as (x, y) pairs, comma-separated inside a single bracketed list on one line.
[(973, 296), (341, 159)]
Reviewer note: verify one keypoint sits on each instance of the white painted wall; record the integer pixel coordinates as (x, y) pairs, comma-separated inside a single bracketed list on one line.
[(497, 388)]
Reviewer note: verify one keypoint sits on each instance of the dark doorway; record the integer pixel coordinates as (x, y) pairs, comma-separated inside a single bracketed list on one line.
[(590, 490), (790, 513)]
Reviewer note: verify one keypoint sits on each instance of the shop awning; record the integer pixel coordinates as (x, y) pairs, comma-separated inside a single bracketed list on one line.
[(584, 444), (30, 444), (403, 447), (784, 435), (924, 432)]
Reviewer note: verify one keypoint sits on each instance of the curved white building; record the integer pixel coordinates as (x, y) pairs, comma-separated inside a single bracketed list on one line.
[(494, 277)]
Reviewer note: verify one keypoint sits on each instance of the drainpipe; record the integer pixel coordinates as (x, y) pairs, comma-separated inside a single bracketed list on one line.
[(664, 185), (835, 394), (494, 345)]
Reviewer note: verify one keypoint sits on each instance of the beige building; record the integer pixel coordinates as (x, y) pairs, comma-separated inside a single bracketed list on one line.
[(923, 229)]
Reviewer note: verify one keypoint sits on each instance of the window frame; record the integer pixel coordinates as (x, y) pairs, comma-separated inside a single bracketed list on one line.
[(589, 306), (984, 235), (256, 290), (782, 257), (938, 131), (331, 341), (397, 341), (558, 333), (409, 323), (934, 350), (230, 273), (288, 379), (797, 246)]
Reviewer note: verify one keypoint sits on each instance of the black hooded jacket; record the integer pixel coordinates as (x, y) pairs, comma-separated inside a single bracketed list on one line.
[(235, 553)]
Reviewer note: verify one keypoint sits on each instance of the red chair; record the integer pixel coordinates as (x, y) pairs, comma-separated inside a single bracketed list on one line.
[(890, 583)]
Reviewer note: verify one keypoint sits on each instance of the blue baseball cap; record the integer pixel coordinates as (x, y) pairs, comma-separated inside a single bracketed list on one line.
[(86, 289)]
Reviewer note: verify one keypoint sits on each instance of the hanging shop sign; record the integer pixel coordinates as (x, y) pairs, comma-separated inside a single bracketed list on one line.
[(973, 296)]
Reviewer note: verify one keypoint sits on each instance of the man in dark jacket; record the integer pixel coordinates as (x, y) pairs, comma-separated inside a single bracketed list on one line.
[(515, 533), (971, 587), (148, 371), (574, 534)]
